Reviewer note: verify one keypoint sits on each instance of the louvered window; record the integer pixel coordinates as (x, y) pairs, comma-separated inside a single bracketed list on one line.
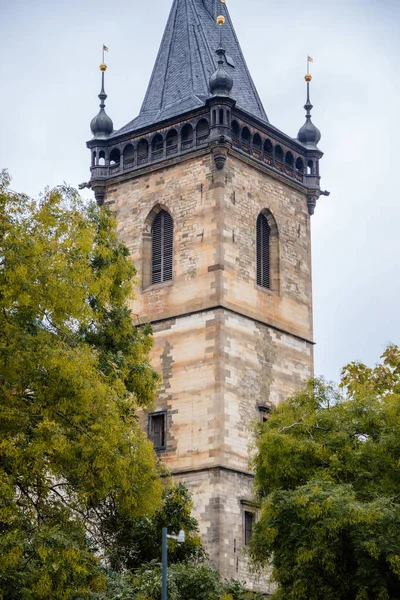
[(162, 244), (263, 251)]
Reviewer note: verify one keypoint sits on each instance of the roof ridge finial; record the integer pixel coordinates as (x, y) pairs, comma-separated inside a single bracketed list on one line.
[(221, 81), (309, 134), (102, 125)]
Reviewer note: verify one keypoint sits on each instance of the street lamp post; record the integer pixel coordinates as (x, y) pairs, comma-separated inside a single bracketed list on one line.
[(179, 538)]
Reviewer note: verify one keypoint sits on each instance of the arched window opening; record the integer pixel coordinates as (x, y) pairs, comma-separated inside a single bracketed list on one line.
[(289, 159), (310, 167), (235, 132), (143, 151), (187, 136), (94, 159), (128, 154), (102, 158), (172, 141), (257, 143), (279, 158), (221, 116), (268, 148), (202, 131), (263, 251), (162, 247), (214, 117), (157, 146), (299, 165), (246, 137), (115, 157)]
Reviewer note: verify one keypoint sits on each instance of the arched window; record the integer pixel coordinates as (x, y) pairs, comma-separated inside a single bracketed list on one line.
[(268, 147), (289, 159), (257, 143), (278, 154), (102, 158), (187, 136), (202, 130), (115, 157), (299, 165), (172, 141), (94, 159), (267, 243), (162, 233), (235, 129), (129, 154), (263, 251), (143, 151)]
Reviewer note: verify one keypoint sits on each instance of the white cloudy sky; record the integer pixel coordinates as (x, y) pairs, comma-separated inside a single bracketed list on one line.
[(50, 52)]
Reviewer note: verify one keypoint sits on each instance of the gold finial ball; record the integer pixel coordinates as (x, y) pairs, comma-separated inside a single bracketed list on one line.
[(308, 77), (220, 20), (223, 1), (103, 67)]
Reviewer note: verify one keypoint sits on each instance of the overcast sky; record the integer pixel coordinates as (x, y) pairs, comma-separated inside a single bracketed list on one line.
[(50, 52)]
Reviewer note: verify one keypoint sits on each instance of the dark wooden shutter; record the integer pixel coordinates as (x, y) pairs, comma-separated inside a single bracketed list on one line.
[(162, 246), (157, 430), (263, 254)]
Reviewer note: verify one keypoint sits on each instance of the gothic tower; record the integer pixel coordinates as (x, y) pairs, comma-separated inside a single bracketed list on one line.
[(214, 204)]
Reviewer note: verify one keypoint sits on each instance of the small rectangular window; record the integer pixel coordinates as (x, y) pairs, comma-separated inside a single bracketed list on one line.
[(264, 413), (157, 427), (249, 518)]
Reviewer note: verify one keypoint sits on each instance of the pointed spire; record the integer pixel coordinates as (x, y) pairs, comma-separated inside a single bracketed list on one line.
[(221, 81), (186, 60), (309, 134), (102, 125)]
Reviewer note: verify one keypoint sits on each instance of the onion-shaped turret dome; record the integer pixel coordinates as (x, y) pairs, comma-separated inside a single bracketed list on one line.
[(309, 134), (221, 82), (101, 125)]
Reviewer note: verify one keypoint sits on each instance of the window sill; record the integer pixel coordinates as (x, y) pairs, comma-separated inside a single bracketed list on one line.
[(267, 291), (157, 286)]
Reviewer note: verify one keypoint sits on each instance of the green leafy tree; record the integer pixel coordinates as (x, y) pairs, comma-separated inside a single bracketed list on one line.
[(73, 370), (135, 542), (135, 556), (327, 473)]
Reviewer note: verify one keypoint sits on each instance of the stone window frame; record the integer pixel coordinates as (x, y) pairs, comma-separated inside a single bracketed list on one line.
[(250, 508), (274, 254), (150, 420), (146, 250)]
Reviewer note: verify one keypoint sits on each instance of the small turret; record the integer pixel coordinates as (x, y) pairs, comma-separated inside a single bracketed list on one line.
[(309, 134), (221, 82), (101, 125)]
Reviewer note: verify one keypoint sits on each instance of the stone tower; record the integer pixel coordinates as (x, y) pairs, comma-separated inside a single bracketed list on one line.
[(214, 204)]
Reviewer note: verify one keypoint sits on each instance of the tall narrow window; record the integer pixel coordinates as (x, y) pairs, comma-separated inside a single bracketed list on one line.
[(249, 518), (162, 245), (157, 430), (263, 251)]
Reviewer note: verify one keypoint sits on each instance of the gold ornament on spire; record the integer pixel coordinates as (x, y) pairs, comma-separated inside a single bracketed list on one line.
[(308, 77), (103, 67), (220, 20)]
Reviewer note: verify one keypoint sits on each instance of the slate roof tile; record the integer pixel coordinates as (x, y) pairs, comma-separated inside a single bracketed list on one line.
[(185, 62)]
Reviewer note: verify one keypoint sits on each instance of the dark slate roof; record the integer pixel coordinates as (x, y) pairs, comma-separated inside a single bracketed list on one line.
[(187, 59)]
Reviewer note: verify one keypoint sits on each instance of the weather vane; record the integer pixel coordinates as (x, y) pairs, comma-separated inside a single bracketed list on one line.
[(105, 49)]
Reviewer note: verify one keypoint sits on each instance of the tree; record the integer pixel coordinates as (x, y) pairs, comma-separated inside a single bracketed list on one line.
[(73, 370), (135, 542), (328, 477), (135, 556)]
